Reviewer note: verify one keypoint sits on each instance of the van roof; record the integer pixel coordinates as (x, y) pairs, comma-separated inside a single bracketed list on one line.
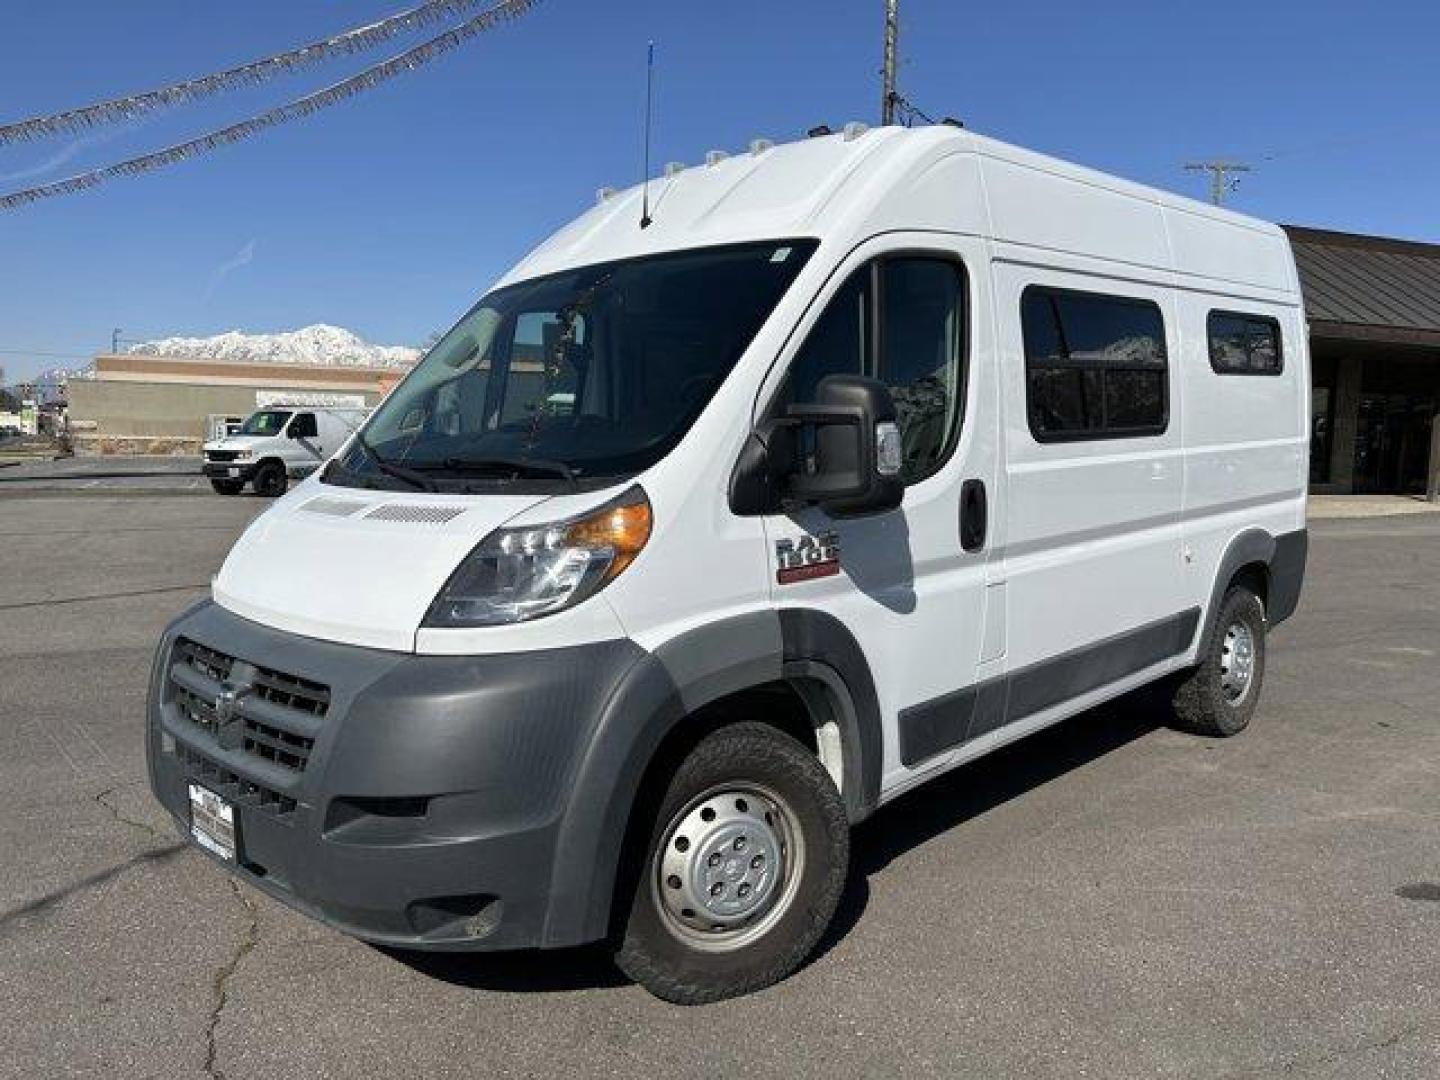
[(855, 183)]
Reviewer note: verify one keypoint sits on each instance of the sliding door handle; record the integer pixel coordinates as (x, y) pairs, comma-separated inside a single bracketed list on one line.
[(974, 515)]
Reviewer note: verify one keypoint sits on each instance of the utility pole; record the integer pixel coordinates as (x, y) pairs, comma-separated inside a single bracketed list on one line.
[(1220, 172), (892, 33)]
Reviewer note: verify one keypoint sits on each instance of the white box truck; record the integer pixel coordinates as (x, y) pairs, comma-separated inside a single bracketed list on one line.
[(277, 444), (695, 542)]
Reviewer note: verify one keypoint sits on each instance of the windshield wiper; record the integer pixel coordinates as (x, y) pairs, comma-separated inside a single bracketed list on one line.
[(544, 466), (389, 468)]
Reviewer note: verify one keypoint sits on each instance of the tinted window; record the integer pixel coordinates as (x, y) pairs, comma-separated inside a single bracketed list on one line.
[(599, 370), (1244, 344), (840, 343), (1095, 365), (922, 305), (917, 305), (265, 422)]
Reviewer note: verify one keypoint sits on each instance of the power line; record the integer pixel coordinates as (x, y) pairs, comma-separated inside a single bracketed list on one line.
[(303, 107), (1224, 176), (353, 41), (17, 350)]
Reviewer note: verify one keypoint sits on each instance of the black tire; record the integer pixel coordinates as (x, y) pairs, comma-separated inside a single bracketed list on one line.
[(228, 487), (1206, 700), (270, 480), (679, 963)]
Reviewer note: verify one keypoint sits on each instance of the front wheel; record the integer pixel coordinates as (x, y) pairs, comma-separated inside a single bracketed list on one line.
[(270, 480), (743, 871), (1219, 697)]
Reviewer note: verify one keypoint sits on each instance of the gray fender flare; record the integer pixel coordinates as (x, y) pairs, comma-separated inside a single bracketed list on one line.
[(654, 695), (1284, 560)]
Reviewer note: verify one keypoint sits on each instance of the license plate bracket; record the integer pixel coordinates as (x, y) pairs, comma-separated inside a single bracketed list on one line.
[(212, 822)]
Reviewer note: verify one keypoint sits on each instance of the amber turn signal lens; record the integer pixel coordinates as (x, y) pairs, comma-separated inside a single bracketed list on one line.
[(623, 527)]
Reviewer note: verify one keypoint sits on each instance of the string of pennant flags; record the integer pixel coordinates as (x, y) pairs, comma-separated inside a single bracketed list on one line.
[(350, 42)]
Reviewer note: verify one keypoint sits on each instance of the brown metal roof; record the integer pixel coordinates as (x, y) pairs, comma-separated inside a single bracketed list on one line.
[(1368, 287)]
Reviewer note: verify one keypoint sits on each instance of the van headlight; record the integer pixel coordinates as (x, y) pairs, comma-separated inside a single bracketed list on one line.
[(519, 574)]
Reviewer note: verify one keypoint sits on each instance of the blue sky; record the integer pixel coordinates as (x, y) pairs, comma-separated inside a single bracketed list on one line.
[(389, 214)]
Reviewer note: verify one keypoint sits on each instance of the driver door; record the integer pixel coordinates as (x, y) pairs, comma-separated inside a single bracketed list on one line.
[(910, 584)]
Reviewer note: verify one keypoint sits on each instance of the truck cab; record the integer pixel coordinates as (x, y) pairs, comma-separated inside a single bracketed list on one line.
[(275, 445), (709, 531)]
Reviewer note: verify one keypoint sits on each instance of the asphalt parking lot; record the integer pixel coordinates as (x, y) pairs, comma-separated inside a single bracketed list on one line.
[(1109, 898)]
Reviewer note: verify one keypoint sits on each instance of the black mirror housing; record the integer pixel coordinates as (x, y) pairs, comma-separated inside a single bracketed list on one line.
[(824, 453)]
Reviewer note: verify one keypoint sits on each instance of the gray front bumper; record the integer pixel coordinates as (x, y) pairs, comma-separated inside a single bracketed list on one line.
[(427, 810)]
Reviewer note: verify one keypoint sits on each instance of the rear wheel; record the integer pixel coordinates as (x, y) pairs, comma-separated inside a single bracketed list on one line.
[(227, 487), (270, 480), (743, 871), (1219, 697)]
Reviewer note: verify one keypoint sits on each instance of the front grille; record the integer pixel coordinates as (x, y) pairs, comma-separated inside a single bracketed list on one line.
[(291, 692), (221, 455), (211, 664), (274, 717), (235, 788)]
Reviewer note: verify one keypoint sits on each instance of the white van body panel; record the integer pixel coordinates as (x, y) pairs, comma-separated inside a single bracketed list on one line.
[(299, 456), (366, 581), (1086, 540), (424, 783)]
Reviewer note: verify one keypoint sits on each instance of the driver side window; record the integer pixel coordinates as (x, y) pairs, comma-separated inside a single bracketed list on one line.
[(901, 320)]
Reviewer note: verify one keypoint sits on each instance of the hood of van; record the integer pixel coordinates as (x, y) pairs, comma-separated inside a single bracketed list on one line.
[(235, 442), (358, 567)]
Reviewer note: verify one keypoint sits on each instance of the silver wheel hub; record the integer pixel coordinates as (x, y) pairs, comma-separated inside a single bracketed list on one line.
[(726, 867), (1237, 661)]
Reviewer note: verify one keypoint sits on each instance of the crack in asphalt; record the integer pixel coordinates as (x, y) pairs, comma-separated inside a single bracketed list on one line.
[(1365, 1046), (141, 826), (221, 984), (163, 848), (56, 601), (250, 937)]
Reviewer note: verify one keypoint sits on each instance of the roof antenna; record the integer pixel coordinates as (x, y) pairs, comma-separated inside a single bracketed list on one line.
[(645, 218)]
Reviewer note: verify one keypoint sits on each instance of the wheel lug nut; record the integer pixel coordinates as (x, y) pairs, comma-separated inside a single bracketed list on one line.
[(673, 881), (757, 862), (714, 859), (744, 891), (740, 843), (719, 887)]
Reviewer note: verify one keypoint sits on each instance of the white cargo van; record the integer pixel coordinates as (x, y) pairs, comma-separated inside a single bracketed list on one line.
[(693, 544), (276, 445)]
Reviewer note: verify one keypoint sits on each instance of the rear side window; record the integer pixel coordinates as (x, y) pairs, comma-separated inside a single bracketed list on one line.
[(1244, 344), (1095, 365)]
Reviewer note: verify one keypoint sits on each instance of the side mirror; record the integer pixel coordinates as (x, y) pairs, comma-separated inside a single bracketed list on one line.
[(841, 452)]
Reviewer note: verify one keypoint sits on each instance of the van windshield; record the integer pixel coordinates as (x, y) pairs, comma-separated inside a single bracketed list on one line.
[(589, 374), (265, 422)]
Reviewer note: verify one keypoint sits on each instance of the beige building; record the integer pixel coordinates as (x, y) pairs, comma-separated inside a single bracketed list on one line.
[(143, 404)]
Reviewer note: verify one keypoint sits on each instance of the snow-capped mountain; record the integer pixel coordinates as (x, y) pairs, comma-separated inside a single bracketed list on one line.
[(318, 344)]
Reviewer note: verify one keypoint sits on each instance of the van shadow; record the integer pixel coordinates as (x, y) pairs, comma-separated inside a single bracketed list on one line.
[(914, 819), (974, 789), (532, 971), (874, 552)]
